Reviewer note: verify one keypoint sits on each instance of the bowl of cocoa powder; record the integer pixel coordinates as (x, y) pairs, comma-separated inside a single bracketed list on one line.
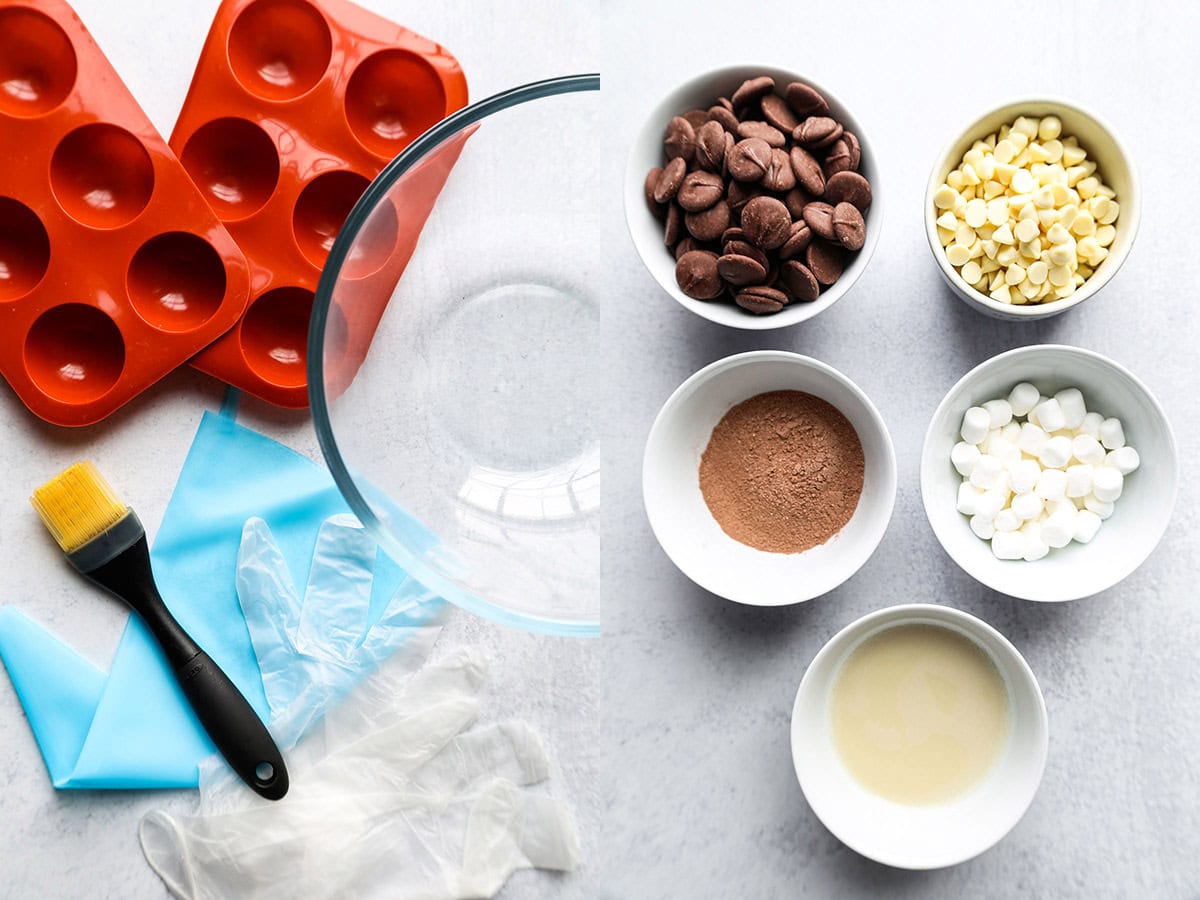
[(751, 195), (769, 478)]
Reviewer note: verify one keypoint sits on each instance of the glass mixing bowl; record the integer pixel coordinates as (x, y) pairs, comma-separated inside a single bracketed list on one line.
[(453, 362)]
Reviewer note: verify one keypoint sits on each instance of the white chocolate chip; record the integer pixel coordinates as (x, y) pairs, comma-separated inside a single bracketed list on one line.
[(1018, 201), (1049, 128)]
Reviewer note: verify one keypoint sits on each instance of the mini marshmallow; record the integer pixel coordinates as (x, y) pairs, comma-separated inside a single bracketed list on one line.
[(1102, 508), (1087, 449), (1107, 483), (987, 472), (1052, 484), (965, 457), (1008, 453), (1032, 418), (1022, 398), (1023, 476), (1007, 520), (1056, 452), (984, 528), (1070, 401), (968, 497), (1027, 506), (1091, 425), (989, 505), (1058, 507), (1087, 523), (1124, 459), (1008, 545), (1035, 545), (1059, 529), (1079, 480), (1050, 415), (976, 424), (1036, 485), (1112, 435), (1000, 411), (1032, 439)]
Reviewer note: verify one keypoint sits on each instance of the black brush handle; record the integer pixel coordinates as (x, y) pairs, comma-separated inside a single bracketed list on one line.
[(226, 715), (233, 725)]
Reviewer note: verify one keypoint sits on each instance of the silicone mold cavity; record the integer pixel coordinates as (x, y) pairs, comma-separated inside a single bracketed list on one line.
[(279, 49), (321, 209), (37, 62), (235, 165), (295, 105), (275, 335), (74, 353), (392, 97), (113, 268), (176, 281), (24, 249), (376, 239), (101, 175)]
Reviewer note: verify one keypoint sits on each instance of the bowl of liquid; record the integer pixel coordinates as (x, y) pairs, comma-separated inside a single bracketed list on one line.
[(919, 736)]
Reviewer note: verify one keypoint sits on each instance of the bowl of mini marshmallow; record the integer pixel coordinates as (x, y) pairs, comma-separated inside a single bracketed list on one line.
[(1049, 473)]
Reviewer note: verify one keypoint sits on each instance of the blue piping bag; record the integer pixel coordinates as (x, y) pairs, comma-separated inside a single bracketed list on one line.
[(133, 728)]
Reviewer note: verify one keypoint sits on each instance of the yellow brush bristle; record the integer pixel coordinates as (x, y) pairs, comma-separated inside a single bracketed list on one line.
[(78, 505)]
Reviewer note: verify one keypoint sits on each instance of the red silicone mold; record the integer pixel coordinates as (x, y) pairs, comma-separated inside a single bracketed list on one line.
[(293, 109), (113, 268)]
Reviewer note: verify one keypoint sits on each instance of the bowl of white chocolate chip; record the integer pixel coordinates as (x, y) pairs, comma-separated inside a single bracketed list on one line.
[(1032, 209), (1049, 473)]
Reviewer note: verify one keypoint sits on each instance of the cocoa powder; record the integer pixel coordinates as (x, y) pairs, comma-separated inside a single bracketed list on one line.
[(782, 472)]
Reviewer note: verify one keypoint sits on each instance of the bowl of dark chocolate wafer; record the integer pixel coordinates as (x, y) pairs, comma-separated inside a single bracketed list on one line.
[(751, 195), (769, 478)]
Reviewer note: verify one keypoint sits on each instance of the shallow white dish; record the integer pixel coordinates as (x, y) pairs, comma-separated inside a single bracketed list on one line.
[(1141, 516), (702, 92), (1115, 169), (919, 837), (681, 520)]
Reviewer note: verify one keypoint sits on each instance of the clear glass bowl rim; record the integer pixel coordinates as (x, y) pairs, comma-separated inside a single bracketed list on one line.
[(377, 191)]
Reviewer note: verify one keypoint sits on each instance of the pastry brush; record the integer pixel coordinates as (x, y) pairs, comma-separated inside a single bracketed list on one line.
[(104, 540)]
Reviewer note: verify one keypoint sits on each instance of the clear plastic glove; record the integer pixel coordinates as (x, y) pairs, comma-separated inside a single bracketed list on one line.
[(312, 650), (391, 797)]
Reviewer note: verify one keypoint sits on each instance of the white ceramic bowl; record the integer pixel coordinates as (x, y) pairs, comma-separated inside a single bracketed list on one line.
[(1142, 513), (687, 530), (647, 232), (1115, 169), (919, 837)]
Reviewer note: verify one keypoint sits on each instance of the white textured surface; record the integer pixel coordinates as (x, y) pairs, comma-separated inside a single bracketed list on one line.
[(684, 787), (84, 844)]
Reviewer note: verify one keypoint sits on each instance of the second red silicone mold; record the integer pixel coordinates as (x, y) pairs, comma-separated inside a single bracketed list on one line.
[(294, 107)]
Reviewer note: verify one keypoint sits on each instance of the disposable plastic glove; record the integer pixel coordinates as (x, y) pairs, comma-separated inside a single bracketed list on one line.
[(312, 650), (390, 798)]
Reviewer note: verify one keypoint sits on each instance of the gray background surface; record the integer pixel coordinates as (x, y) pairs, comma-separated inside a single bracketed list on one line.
[(672, 731)]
